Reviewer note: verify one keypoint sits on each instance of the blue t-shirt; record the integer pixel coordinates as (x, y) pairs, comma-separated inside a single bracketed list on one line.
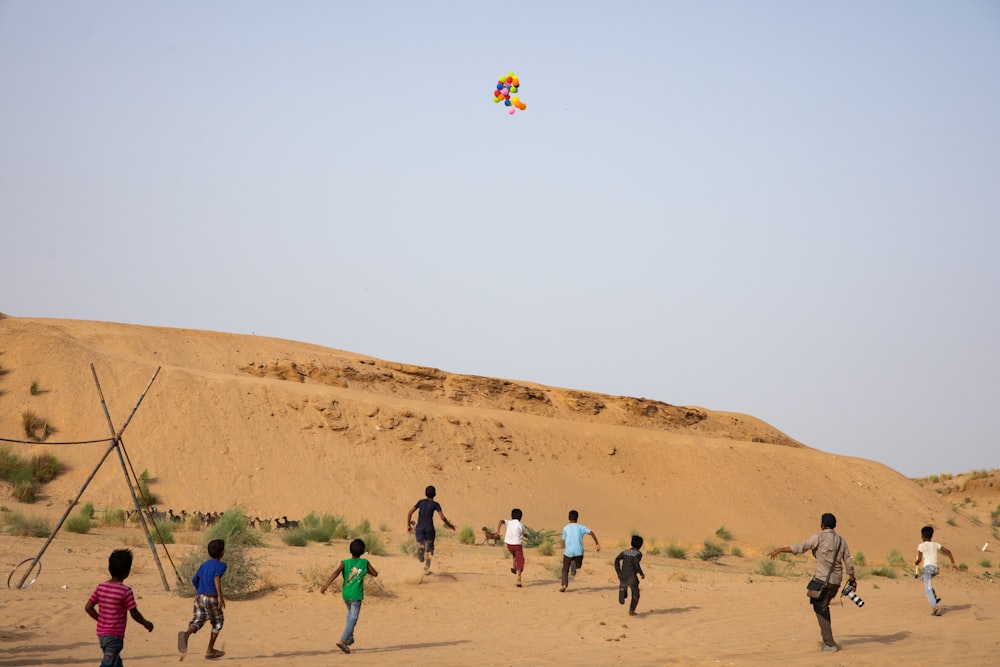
[(573, 538), (204, 579)]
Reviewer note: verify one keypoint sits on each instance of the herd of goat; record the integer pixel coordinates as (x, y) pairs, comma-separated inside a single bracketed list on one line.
[(209, 518)]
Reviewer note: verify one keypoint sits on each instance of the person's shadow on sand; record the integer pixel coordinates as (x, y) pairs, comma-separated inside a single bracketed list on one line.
[(673, 610), (878, 639)]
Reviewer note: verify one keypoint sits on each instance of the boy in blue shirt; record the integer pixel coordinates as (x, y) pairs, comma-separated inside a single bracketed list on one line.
[(208, 600), (572, 535)]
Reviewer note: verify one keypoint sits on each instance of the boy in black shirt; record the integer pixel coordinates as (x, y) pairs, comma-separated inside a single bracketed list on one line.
[(629, 572)]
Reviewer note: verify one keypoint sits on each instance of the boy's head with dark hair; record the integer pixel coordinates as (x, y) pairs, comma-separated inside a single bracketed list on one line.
[(637, 541), (216, 548), (120, 563), (516, 514), (927, 532), (574, 515), (828, 521), (358, 548), (430, 492)]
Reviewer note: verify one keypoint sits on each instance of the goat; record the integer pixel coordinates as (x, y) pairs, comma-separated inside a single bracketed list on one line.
[(490, 537)]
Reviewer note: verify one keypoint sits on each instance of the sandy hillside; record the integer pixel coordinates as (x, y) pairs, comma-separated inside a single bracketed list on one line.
[(283, 428)]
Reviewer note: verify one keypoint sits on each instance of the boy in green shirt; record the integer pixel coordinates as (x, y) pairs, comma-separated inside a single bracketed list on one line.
[(354, 569)]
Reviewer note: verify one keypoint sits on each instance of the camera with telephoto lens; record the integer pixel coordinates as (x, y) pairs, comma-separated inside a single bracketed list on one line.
[(851, 595)]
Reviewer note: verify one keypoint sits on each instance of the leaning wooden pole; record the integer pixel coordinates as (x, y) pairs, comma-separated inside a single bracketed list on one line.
[(69, 508), (116, 445)]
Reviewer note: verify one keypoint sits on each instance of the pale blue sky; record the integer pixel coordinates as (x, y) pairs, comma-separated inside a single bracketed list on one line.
[(787, 209)]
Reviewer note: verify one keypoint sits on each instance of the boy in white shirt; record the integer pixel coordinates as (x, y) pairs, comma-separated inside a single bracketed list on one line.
[(513, 537), (927, 555)]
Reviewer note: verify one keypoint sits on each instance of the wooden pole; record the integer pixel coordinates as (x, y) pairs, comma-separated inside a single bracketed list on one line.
[(116, 445)]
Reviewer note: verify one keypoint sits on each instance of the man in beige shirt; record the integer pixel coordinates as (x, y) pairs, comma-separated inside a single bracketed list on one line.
[(833, 558)]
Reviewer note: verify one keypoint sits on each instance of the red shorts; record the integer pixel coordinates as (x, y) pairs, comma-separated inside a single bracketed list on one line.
[(517, 551)]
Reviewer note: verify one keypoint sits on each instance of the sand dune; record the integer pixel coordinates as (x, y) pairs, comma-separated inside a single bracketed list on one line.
[(284, 428)]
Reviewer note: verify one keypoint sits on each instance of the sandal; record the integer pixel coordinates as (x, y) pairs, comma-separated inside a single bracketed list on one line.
[(214, 655)]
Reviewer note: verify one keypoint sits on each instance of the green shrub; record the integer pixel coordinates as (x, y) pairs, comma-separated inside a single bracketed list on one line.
[(232, 527), (242, 572), (934, 479), (114, 517), (653, 550), (321, 529), (710, 551), (951, 521), (373, 544), (294, 538), (30, 422), (962, 567), (859, 559), (24, 491), (363, 528), (44, 468), (146, 498), (466, 535), (980, 474), (532, 538), (34, 388), (547, 547), (11, 466), (16, 524), (736, 551), (896, 559), (766, 568), (985, 563), (723, 534), (883, 572), (78, 523), (162, 531), (675, 551), (995, 517)]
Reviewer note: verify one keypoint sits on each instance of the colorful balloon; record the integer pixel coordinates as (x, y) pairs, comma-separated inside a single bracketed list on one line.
[(506, 89)]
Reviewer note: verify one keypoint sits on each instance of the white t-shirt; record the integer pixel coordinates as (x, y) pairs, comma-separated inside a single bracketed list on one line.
[(515, 531), (930, 552)]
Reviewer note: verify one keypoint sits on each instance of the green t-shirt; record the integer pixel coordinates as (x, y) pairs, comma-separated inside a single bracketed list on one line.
[(355, 570)]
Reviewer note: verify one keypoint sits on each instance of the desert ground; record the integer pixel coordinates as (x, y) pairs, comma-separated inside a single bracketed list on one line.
[(283, 428)]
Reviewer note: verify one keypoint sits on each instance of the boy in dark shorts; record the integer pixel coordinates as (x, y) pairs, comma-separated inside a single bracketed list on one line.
[(209, 602), (424, 530), (114, 601), (629, 572)]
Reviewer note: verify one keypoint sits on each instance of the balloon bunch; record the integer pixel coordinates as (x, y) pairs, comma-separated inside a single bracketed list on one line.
[(506, 86)]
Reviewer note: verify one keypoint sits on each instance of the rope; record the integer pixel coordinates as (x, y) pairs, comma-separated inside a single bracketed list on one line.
[(36, 442)]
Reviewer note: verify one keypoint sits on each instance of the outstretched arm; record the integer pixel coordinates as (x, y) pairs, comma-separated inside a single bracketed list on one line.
[(500, 525), (409, 523), (597, 545), (947, 553), (140, 619), (447, 524), (782, 550), (336, 573)]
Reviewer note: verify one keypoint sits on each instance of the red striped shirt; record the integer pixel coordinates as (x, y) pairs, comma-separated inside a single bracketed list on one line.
[(114, 599)]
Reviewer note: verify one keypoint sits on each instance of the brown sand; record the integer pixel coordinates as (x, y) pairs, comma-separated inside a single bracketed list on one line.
[(285, 428)]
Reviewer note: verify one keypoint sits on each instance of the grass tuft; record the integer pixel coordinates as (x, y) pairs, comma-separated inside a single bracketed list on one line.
[(710, 551), (466, 535), (676, 551)]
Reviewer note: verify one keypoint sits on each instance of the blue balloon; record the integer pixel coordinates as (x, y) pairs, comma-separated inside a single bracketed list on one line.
[(506, 103), (499, 86)]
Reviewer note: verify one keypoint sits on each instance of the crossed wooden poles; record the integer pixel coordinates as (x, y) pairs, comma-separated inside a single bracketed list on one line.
[(116, 446)]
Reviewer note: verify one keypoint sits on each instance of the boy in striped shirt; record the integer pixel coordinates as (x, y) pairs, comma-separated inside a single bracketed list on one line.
[(108, 605)]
